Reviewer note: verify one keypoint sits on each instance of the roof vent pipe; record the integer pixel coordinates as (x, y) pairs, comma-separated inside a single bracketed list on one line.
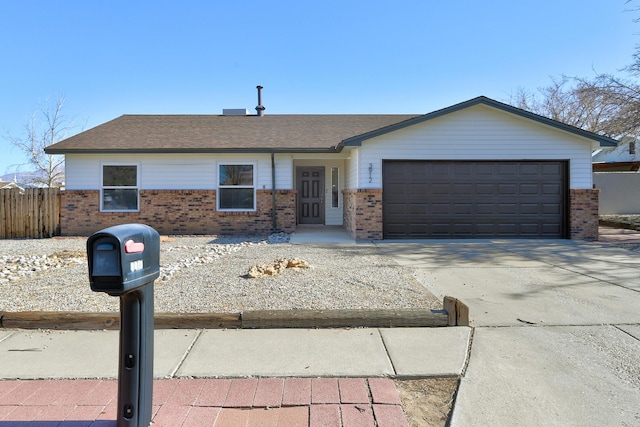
[(260, 108)]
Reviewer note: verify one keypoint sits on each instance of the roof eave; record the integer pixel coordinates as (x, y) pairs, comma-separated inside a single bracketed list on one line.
[(190, 151), (602, 140)]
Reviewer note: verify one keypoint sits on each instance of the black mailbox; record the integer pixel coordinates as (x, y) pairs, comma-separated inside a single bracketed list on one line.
[(124, 260)]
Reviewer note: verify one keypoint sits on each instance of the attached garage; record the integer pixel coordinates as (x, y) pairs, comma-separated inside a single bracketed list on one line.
[(475, 199)]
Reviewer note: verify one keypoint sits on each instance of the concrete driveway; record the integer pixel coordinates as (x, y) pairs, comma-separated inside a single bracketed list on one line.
[(556, 336)]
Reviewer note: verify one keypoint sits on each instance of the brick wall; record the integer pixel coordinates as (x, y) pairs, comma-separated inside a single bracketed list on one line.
[(363, 213), (583, 214), (178, 212)]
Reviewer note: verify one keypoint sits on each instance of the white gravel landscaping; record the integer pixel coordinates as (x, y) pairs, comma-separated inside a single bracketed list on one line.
[(209, 274)]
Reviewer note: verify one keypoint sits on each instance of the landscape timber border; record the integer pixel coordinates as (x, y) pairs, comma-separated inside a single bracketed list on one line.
[(454, 313)]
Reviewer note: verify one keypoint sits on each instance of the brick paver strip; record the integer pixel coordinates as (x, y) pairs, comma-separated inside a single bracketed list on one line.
[(293, 416), (24, 413), (325, 390), (297, 391), (383, 390), (84, 413), (111, 411), (241, 393), (186, 392), (5, 410), (353, 390), (324, 416), (360, 415), (269, 392), (203, 402), (103, 393), (7, 387), (214, 392), (200, 416), (162, 390), (52, 413), (390, 416), (23, 391), (171, 415), (264, 417), (231, 417)]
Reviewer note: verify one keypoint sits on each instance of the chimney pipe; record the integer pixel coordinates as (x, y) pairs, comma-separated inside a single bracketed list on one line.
[(260, 108)]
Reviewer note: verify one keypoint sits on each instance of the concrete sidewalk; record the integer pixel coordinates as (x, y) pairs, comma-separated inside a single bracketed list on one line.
[(556, 328), (340, 376), (216, 353)]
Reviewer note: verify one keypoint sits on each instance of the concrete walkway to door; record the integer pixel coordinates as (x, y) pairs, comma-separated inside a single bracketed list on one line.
[(321, 234), (556, 337)]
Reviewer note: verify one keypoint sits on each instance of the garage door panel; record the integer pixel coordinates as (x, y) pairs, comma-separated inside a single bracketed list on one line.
[(530, 208), (552, 169), (507, 169), (461, 169), (552, 189), (530, 169), (463, 208), (507, 209), (474, 199), (462, 189), (510, 189), (550, 209), (529, 188), (441, 209), (483, 188)]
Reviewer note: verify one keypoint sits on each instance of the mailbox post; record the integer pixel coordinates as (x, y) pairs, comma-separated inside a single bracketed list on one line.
[(124, 261)]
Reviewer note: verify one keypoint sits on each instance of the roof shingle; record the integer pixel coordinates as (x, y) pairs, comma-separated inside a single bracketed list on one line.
[(214, 133)]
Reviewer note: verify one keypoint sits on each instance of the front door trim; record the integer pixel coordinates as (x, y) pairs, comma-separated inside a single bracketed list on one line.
[(310, 186)]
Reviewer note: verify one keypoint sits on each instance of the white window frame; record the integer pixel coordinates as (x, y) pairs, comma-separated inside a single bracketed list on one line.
[(109, 187), (254, 165), (337, 184)]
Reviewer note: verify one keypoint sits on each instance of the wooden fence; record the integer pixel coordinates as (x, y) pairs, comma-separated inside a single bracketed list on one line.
[(32, 214)]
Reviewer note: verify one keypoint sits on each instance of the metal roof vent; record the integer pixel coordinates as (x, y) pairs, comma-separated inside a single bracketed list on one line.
[(235, 111), (260, 108)]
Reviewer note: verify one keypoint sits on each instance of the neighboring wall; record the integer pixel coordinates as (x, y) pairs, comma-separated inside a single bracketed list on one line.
[(619, 192)]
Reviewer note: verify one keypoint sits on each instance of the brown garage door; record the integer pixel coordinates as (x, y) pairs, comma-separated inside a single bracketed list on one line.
[(474, 199)]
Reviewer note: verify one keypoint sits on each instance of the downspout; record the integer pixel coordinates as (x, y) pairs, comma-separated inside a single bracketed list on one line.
[(273, 192)]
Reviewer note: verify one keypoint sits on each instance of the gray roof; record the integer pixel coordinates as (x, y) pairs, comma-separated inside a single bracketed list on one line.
[(209, 133), (272, 132)]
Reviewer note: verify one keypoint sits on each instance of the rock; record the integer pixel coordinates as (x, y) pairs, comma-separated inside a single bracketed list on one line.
[(276, 267)]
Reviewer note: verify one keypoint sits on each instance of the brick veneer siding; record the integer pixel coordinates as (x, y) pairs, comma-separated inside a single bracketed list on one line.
[(583, 214), (178, 212), (363, 213)]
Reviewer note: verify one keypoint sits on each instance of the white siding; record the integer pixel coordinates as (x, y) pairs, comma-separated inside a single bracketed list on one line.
[(174, 171), (479, 132), (351, 172)]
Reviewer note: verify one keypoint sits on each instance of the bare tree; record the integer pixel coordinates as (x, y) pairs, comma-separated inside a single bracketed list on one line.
[(47, 126), (606, 105)]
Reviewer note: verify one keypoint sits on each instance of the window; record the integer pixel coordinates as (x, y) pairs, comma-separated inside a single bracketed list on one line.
[(236, 187), (335, 192), (119, 188)]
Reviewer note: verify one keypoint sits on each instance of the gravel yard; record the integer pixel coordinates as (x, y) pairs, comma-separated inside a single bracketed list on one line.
[(209, 274)]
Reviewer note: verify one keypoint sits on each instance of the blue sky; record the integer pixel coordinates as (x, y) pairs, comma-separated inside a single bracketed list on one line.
[(197, 57)]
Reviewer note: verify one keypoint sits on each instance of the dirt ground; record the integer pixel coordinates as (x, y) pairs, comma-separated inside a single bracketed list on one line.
[(427, 402)]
